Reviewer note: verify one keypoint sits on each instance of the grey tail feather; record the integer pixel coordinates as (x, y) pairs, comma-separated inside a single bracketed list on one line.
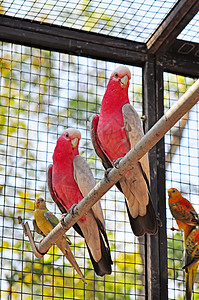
[(103, 266), (143, 224), (146, 224)]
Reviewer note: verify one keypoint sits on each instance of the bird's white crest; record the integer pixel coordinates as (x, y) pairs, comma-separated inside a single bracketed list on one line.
[(122, 71), (73, 133)]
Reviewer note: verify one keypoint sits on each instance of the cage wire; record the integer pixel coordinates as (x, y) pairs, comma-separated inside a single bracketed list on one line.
[(191, 32), (182, 165), (42, 94), (135, 20)]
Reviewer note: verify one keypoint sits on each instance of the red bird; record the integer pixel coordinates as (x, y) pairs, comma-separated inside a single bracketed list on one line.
[(69, 180), (114, 132)]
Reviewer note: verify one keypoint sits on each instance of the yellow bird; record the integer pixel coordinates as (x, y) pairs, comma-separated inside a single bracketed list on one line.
[(44, 221)]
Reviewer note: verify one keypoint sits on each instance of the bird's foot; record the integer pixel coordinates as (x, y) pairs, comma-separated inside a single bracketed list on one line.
[(72, 209), (62, 219), (106, 173), (116, 162), (173, 229)]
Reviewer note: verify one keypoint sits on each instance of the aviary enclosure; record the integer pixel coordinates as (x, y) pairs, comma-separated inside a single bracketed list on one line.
[(56, 59)]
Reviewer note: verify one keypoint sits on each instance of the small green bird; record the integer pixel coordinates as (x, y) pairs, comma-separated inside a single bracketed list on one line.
[(44, 221)]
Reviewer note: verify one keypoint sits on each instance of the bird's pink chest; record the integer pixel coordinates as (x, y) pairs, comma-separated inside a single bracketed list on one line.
[(113, 137), (66, 187)]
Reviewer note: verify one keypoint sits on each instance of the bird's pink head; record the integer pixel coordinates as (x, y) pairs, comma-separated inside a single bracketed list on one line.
[(67, 143), (121, 77), (116, 94)]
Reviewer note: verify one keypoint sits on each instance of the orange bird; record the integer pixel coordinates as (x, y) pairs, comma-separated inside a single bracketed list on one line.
[(191, 260), (183, 211), (187, 219)]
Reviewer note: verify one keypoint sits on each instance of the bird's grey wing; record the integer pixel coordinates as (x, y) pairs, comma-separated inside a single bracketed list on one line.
[(36, 228), (135, 132), (136, 183), (133, 183), (86, 182), (94, 227)]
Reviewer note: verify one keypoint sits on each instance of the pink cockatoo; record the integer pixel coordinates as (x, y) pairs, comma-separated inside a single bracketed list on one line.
[(114, 132), (69, 180)]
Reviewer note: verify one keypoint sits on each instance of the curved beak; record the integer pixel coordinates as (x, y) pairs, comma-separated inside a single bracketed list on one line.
[(124, 81), (74, 142), (37, 202), (169, 194)]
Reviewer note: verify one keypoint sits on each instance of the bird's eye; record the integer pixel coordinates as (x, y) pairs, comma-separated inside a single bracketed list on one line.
[(67, 135), (116, 75), (173, 191)]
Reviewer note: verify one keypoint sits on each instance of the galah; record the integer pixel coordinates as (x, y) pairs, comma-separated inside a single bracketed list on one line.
[(69, 180), (44, 221), (191, 260), (114, 132), (183, 211)]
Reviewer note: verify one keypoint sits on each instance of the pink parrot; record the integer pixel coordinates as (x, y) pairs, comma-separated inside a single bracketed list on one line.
[(114, 132), (69, 180)]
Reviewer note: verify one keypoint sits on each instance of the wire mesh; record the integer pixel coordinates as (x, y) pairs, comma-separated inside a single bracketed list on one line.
[(182, 163), (191, 31), (135, 20), (42, 93)]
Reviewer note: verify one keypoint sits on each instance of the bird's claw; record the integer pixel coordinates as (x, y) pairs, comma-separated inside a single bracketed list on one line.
[(173, 229), (62, 219), (116, 162), (72, 209), (106, 172)]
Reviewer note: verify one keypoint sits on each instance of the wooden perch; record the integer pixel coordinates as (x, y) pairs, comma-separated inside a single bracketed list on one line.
[(182, 106), (28, 233)]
